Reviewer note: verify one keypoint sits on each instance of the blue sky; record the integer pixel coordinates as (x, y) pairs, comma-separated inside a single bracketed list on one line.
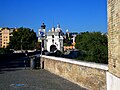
[(74, 15)]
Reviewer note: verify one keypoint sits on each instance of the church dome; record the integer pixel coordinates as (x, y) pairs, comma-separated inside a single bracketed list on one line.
[(58, 25)]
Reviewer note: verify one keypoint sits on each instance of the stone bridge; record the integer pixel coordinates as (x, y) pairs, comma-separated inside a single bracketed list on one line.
[(91, 76)]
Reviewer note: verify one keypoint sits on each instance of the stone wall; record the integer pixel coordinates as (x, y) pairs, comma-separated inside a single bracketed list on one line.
[(114, 36), (113, 76), (89, 75)]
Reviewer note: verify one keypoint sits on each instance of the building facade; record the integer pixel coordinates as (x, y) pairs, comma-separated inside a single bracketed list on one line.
[(0, 37), (54, 39), (5, 34), (69, 39)]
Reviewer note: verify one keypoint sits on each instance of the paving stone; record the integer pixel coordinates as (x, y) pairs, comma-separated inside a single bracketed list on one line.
[(19, 78)]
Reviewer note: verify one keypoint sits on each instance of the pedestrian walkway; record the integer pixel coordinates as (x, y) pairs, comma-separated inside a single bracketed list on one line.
[(14, 76), (26, 79)]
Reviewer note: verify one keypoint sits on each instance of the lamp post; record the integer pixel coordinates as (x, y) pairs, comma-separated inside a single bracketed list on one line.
[(41, 36), (41, 48), (21, 45)]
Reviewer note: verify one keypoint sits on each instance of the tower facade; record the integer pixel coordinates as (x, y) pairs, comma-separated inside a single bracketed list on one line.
[(114, 36), (113, 76)]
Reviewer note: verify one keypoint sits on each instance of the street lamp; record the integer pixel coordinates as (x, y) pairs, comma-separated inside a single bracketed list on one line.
[(21, 44), (41, 35)]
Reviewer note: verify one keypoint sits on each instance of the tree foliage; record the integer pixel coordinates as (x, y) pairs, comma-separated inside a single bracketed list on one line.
[(93, 46), (5, 51), (23, 38)]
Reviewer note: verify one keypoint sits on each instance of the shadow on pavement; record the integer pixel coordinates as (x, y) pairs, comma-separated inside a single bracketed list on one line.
[(14, 62)]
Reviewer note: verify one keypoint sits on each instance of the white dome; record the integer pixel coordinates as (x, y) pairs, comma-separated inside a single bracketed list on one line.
[(67, 30), (58, 26)]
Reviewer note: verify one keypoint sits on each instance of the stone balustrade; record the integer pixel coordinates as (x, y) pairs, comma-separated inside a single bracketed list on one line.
[(89, 75)]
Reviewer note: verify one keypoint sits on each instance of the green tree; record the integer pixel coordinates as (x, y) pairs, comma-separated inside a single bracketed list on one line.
[(5, 51), (93, 47), (23, 38)]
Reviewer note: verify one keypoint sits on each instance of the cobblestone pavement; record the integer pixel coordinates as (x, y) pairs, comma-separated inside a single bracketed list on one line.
[(18, 78)]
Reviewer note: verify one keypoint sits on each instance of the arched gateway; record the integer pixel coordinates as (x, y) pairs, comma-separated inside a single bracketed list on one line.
[(53, 48)]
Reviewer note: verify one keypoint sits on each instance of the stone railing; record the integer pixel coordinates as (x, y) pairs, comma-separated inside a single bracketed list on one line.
[(86, 74)]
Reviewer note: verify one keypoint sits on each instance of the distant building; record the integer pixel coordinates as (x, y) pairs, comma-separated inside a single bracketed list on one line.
[(54, 39), (5, 34), (69, 40)]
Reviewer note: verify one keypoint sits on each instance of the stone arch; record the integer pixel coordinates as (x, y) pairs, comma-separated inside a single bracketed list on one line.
[(53, 48)]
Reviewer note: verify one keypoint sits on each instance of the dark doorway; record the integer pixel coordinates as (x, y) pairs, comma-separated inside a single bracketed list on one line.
[(53, 48)]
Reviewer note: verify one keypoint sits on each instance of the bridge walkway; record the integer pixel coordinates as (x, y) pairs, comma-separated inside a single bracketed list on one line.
[(13, 76)]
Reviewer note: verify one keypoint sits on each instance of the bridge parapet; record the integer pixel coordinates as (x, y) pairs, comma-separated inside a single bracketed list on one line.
[(86, 74)]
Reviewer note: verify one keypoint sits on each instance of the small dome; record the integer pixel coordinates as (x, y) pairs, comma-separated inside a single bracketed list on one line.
[(67, 30), (58, 26), (53, 29)]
